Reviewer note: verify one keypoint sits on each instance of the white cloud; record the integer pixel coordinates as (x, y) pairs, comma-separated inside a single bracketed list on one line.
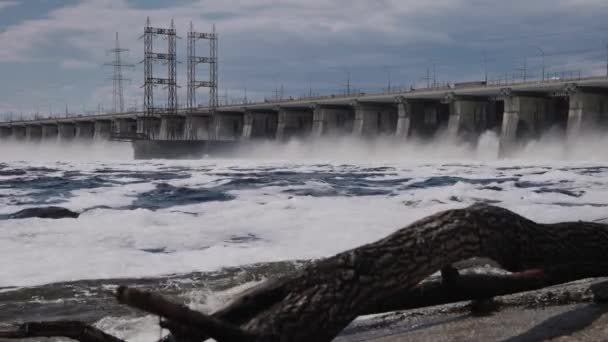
[(8, 3), (89, 25), (76, 64), (264, 43)]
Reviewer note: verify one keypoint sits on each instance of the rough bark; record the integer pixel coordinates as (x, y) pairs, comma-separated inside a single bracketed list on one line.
[(329, 294), (450, 288), (74, 330), (158, 305)]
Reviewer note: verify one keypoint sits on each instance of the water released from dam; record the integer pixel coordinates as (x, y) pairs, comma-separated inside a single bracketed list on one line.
[(205, 229)]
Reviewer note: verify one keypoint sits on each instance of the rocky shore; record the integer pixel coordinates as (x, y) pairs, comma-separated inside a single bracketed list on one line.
[(577, 311)]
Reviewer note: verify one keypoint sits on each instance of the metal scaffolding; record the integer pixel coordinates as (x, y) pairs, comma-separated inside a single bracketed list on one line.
[(194, 60), (118, 101), (150, 82)]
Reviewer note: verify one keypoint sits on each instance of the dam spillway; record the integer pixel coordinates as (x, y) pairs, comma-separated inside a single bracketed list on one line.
[(516, 112)]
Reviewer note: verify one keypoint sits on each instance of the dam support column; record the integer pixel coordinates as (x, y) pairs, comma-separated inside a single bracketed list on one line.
[(50, 132), (260, 125), (66, 131), (148, 126), (524, 118), (5, 133), (294, 123), (199, 127), (103, 130), (587, 111), (404, 110), (228, 125), (469, 117), (332, 120), (19, 133), (33, 132), (172, 127), (124, 128), (372, 119), (85, 130), (427, 117)]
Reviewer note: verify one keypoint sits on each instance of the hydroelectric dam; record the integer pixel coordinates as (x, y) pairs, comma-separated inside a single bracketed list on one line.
[(517, 112)]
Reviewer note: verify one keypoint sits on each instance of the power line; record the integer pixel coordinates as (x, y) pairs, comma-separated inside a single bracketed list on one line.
[(529, 36)]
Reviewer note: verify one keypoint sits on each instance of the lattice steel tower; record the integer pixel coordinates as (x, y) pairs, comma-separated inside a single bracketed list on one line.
[(194, 60), (150, 82), (118, 101)]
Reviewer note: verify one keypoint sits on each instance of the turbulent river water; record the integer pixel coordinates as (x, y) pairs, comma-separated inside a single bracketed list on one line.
[(205, 229)]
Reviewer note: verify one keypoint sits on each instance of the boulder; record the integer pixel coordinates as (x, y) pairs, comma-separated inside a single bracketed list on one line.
[(45, 212)]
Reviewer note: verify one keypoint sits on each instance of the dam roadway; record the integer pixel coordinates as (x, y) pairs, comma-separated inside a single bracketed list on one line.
[(516, 111)]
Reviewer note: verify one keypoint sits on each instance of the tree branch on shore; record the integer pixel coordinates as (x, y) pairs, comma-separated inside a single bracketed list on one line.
[(316, 303), (74, 330)]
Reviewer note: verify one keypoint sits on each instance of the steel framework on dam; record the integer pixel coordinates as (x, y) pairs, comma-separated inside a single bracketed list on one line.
[(194, 60), (118, 101), (150, 82)]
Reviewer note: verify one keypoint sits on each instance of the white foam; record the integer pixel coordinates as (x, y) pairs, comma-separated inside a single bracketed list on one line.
[(106, 243), (132, 329)]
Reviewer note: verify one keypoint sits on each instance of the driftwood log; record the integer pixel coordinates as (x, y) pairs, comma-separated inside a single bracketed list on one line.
[(316, 303), (74, 330)]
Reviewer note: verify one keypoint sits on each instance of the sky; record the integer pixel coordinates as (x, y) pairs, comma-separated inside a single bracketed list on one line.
[(52, 52)]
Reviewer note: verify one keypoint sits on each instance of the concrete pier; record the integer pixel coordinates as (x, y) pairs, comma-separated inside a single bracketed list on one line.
[(294, 123), (469, 117), (260, 125), (587, 111), (19, 133), (66, 131), (5, 132), (404, 110), (85, 130), (33, 132), (332, 120), (427, 118), (199, 127), (50, 131), (172, 127), (148, 126), (103, 130), (125, 127), (228, 125), (524, 118), (372, 119)]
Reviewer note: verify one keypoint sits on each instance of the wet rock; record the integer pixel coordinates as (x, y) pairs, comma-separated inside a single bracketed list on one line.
[(483, 307), (46, 212), (600, 293), (12, 172)]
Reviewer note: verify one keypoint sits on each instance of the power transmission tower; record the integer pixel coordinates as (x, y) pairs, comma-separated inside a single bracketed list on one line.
[(150, 82), (172, 70), (485, 66), (118, 101), (524, 69), (194, 60), (348, 82), (428, 77)]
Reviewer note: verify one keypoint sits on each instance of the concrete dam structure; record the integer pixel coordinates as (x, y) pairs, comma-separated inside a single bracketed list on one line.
[(517, 112)]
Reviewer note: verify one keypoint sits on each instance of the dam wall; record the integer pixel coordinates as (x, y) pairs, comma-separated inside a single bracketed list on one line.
[(517, 113)]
